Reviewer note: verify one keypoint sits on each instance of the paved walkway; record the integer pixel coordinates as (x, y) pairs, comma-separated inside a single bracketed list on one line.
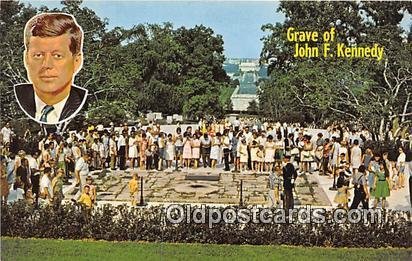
[(218, 188)]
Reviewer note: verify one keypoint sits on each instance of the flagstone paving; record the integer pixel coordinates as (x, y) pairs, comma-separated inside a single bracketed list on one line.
[(221, 188)]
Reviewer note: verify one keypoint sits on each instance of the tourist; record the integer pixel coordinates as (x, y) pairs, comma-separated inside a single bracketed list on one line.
[(95, 150), (61, 157), (187, 150), (274, 182), (81, 172), (289, 176), (46, 190), (279, 149), (93, 194), (360, 185), (196, 150), (170, 151), (133, 189), (342, 196), (178, 140), (23, 174), (132, 149), (121, 150), (260, 154), (306, 155), (270, 149), (7, 134), (381, 185), (226, 149), (85, 199), (161, 145), (355, 156), (367, 157), (243, 154), (57, 187), (320, 142), (205, 147), (254, 147), (400, 166), (334, 154), (112, 152), (4, 185), (215, 150)]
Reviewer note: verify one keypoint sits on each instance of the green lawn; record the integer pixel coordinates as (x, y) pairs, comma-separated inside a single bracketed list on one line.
[(45, 249)]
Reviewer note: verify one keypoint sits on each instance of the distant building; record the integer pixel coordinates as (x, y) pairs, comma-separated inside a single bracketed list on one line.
[(248, 72)]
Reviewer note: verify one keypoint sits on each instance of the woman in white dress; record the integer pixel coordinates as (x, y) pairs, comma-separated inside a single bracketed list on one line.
[(270, 148), (132, 150), (355, 156), (170, 150), (243, 155), (215, 150)]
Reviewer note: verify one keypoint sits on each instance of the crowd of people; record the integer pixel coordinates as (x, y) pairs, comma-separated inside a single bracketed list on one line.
[(242, 145)]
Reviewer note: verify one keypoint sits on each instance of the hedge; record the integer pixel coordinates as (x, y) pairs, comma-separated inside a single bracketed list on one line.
[(123, 223)]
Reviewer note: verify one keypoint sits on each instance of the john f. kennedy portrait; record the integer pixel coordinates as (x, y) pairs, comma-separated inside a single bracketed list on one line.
[(52, 57)]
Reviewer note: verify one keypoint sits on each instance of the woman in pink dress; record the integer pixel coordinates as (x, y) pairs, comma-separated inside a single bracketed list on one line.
[(196, 149), (187, 150)]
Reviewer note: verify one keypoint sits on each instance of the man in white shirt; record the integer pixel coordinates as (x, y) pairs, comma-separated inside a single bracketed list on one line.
[(6, 132), (46, 190), (81, 171), (121, 149)]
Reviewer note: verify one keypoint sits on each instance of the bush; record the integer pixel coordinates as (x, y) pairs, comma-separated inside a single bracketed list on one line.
[(123, 223)]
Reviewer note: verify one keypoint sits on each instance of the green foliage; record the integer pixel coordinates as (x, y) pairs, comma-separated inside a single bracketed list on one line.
[(104, 112), (322, 89), (123, 223)]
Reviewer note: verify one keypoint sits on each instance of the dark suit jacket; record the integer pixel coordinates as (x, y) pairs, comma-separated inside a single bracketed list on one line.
[(25, 97)]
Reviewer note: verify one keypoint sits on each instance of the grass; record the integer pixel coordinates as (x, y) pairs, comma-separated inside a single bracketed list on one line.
[(49, 249)]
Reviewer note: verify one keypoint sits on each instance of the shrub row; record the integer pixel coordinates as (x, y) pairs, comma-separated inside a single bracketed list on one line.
[(123, 223)]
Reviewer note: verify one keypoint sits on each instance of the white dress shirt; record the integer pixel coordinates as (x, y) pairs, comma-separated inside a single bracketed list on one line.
[(53, 116)]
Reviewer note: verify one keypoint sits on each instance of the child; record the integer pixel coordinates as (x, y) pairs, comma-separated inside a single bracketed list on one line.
[(133, 188), (342, 196), (260, 158), (274, 183), (89, 182), (85, 198)]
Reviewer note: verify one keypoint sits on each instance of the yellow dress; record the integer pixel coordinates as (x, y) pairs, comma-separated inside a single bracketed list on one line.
[(133, 186)]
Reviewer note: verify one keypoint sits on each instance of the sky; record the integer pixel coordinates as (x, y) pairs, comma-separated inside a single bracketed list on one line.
[(239, 22)]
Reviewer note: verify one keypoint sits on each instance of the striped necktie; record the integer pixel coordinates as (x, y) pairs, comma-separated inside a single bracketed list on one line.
[(45, 111)]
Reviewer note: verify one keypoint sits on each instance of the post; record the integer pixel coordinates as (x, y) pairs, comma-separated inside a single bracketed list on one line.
[(241, 193), (141, 203)]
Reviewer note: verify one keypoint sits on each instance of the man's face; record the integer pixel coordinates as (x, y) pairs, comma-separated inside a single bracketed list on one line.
[(50, 64)]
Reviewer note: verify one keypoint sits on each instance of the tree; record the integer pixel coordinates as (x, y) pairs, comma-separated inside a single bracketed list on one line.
[(321, 89)]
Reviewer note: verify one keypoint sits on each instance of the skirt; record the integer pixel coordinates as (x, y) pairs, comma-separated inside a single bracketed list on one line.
[(342, 195), (306, 156), (381, 190), (270, 156), (253, 154), (187, 152), (215, 153), (133, 152), (196, 153), (170, 153)]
